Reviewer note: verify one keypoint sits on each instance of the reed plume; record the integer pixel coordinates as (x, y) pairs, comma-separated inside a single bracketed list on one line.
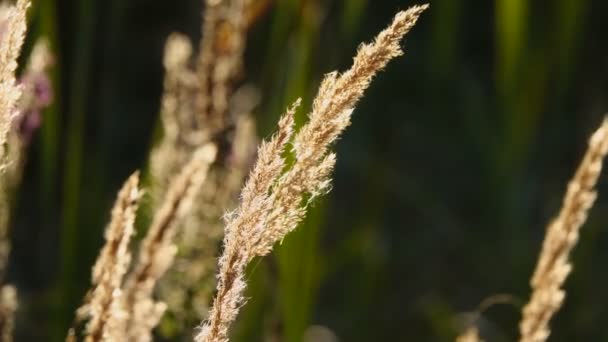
[(36, 95), (12, 34), (195, 101), (188, 286), (180, 138), (199, 108), (562, 234), (158, 249), (274, 201), (220, 58), (102, 305)]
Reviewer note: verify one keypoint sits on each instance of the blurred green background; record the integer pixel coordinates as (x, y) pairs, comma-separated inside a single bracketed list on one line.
[(457, 158)]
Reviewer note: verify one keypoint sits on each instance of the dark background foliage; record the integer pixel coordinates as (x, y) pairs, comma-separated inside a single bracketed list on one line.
[(456, 160)]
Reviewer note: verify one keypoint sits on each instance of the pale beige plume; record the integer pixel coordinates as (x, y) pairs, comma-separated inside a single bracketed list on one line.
[(102, 306), (158, 249), (273, 200), (12, 35), (562, 234), (13, 26), (200, 107)]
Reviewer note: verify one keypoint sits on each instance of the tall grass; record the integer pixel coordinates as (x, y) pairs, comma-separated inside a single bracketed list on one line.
[(206, 149)]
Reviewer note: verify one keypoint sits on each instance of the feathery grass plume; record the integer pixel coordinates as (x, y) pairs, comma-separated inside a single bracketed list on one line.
[(8, 306), (158, 250), (199, 108), (188, 286), (12, 34), (177, 115), (195, 107), (267, 169), (562, 234), (36, 96), (273, 202), (220, 58), (195, 102), (36, 91), (102, 306)]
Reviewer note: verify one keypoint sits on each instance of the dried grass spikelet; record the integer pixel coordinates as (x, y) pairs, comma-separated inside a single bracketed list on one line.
[(273, 201), (199, 108), (562, 234), (220, 59), (180, 137), (8, 307), (10, 177), (158, 249), (195, 102), (103, 302), (188, 286), (12, 34), (266, 170)]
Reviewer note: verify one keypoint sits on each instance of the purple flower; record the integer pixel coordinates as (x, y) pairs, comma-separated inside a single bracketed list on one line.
[(37, 95)]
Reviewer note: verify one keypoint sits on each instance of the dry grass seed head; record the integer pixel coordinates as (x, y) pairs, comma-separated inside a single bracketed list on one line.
[(562, 235), (272, 200), (157, 250), (12, 35), (198, 108), (102, 306)]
